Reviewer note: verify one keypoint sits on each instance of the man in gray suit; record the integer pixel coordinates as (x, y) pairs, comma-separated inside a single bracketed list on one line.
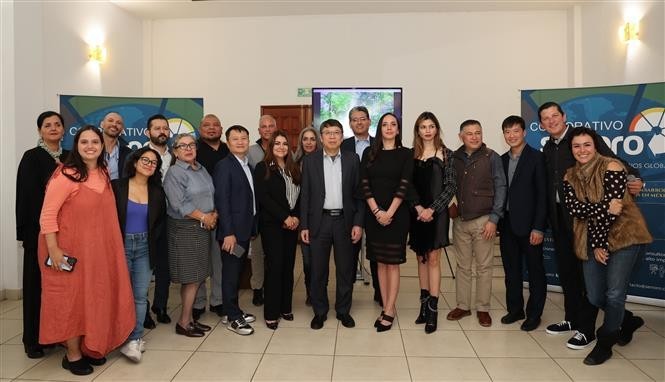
[(331, 217)]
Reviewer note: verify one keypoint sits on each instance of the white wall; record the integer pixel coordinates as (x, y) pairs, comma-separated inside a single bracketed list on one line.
[(45, 54), (458, 65)]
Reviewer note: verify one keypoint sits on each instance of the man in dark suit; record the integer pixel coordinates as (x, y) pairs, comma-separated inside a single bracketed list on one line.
[(331, 216), (580, 315), (360, 121), (115, 149), (236, 204), (523, 225)]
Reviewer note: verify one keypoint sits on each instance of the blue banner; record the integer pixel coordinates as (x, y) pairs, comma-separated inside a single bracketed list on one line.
[(631, 120)]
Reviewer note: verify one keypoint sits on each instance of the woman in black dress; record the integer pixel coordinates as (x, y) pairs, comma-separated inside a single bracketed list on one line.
[(385, 173), (34, 171), (434, 183)]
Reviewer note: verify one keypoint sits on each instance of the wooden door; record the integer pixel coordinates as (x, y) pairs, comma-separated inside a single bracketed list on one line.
[(291, 119)]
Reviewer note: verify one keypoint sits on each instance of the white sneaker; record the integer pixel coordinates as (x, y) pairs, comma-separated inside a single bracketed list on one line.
[(142, 345), (132, 350)]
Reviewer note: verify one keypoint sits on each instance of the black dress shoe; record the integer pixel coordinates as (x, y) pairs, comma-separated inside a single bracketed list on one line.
[(512, 317), (346, 320), (80, 367), (530, 324), (216, 308), (272, 325), (34, 351), (162, 315), (197, 313), (201, 327), (95, 361), (190, 331), (317, 322), (148, 322), (287, 316), (257, 299)]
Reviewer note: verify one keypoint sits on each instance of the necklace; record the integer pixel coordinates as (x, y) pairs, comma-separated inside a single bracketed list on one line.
[(54, 154)]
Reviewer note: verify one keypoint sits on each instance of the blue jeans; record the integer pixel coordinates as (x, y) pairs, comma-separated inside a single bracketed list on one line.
[(607, 284), (138, 264)]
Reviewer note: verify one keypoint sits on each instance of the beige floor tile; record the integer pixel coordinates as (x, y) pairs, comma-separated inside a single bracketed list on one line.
[(356, 368), (302, 316), (9, 329), (156, 365), (367, 342), (654, 320), (209, 366), (654, 368), (282, 367), (615, 369), (641, 307), (163, 337), (13, 314), (408, 319), (555, 345), (471, 322), (452, 301), (365, 317), (645, 345), (442, 343), (446, 369), (555, 298), (16, 340), (51, 368), (520, 369), (13, 361), (504, 344), (7, 305), (409, 300), (304, 341), (224, 340)]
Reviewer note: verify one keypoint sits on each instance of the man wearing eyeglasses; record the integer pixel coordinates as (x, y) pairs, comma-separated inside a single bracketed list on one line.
[(210, 150), (267, 126), (115, 149), (158, 133), (360, 121), (331, 217)]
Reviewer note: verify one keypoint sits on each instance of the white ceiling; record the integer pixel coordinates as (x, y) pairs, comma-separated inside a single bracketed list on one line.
[(167, 9)]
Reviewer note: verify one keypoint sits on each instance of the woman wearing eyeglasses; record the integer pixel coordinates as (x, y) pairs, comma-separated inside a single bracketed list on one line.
[(191, 216), (141, 205)]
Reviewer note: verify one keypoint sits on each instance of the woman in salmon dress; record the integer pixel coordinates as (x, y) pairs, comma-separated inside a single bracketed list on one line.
[(89, 309)]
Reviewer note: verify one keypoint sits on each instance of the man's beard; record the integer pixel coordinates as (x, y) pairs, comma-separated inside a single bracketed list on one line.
[(159, 140)]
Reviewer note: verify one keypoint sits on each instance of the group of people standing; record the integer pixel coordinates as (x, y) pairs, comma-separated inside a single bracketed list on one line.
[(96, 222)]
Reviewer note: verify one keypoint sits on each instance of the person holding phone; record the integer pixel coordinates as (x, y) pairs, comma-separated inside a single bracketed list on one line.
[(141, 206), (191, 218), (277, 184), (89, 309)]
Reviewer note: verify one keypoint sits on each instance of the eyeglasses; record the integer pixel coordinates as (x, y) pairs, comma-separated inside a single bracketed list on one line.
[(333, 133), (184, 146), (148, 162)]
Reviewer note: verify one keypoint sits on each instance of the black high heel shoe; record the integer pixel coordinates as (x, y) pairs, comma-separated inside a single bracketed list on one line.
[(287, 316), (378, 320), (382, 328)]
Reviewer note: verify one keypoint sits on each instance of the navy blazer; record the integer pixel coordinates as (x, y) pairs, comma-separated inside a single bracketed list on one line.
[(313, 192), (349, 144), (156, 213), (527, 193), (233, 200)]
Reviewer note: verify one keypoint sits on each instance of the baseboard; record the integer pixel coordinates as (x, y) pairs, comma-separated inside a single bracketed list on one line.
[(11, 294)]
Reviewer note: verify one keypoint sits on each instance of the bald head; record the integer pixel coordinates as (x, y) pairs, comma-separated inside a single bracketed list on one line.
[(267, 126)]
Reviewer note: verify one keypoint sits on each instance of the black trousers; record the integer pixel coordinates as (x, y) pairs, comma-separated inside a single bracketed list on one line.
[(32, 296), (279, 247), (372, 267), (231, 270), (577, 307), (333, 233), (514, 251), (162, 277)]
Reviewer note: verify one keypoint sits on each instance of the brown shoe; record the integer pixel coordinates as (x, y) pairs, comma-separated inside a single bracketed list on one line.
[(457, 313), (484, 319)]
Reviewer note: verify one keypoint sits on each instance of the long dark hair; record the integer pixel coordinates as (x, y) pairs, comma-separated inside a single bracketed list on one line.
[(290, 166), (73, 167), (377, 146), (135, 156)]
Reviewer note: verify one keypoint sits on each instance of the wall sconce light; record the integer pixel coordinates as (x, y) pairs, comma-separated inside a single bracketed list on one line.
[(630, 31), (97, 53)]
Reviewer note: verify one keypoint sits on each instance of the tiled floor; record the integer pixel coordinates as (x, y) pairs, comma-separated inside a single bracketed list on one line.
[(457, 351)]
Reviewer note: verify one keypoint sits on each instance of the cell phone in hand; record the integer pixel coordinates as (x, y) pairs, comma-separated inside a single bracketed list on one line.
[(237, 251), (68, 264)]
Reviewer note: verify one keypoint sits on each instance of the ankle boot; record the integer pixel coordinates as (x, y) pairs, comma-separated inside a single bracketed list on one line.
[(630, 324), (603, 349), (424, 296), (432, 314)]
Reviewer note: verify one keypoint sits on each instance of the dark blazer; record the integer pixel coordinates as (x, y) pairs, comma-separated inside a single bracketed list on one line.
[(233, 200), (313, 191), (122, 157), (526, 193), (271, 195), (349, 144), (156, 213)]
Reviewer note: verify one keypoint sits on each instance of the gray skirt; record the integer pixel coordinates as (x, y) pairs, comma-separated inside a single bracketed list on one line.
[(189, 251)]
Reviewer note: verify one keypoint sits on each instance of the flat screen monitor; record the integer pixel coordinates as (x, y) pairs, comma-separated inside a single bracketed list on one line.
[(336, 102)]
